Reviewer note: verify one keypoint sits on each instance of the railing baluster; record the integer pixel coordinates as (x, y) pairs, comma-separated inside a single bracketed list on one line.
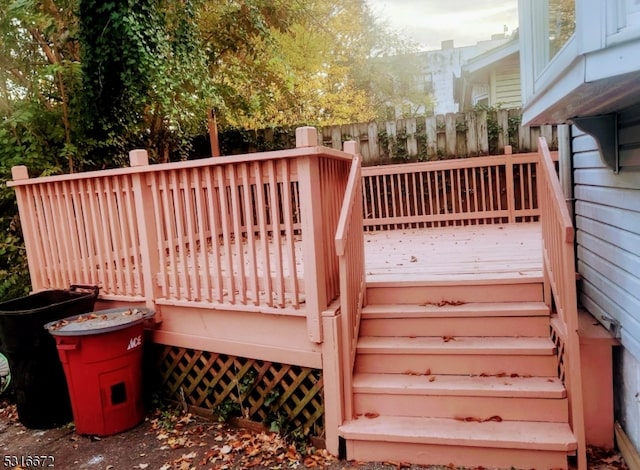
[(204, 288), (261, 208), (274, 215), (215, 226), (62, 233), (248, 208), (287, 214), (115, 240), (84, 187), (236, 216), (225, 207)]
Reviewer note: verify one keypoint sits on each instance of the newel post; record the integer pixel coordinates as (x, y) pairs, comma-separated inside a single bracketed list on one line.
[(312, 234), (145, 213)]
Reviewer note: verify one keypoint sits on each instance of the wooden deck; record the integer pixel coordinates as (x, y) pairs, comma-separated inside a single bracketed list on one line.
[(445, 255)]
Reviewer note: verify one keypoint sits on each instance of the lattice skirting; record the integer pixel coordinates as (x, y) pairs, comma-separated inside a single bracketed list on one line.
[(281, 396)]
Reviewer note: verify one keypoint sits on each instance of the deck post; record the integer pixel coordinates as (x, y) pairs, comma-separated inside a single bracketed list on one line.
[(29, 230), (143, 199), (332, 377), (312, 234), (511, 196)]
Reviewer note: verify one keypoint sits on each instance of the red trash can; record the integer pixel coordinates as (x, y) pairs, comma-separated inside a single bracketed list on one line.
[(101, 354)]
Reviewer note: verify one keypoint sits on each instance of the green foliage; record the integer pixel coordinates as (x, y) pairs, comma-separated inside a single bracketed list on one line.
[(25, 137), (145, 78), (234, 405)]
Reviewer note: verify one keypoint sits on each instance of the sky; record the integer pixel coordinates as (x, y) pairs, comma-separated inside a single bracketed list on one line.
[(428, 22)]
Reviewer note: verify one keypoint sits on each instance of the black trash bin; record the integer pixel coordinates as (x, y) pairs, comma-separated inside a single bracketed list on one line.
[(37, 377)]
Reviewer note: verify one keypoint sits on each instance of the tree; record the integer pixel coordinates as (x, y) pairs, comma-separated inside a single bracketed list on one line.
[(311, 63), (145, 77)]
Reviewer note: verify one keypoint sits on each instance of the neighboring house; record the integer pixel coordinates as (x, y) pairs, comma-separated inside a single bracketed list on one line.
[(492, 78), (581, 66), (442, 68)]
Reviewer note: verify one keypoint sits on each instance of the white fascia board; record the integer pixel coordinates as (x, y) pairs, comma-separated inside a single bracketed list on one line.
[(612, 61), (492, 56)]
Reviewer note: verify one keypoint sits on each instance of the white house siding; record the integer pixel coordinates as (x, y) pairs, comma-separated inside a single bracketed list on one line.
[(607, 208), (443, 66), (505, 84)]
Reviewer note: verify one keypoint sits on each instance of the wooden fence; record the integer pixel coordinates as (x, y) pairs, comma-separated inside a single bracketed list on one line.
[(440, 137)]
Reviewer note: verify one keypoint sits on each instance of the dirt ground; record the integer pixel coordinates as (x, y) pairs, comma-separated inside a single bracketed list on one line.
[(170, 440)]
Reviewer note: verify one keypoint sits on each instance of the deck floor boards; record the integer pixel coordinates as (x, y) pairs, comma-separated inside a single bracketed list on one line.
[(473, 253), (457, 253)]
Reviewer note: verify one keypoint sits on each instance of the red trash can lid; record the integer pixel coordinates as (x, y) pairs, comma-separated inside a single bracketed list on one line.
[(101, 321)]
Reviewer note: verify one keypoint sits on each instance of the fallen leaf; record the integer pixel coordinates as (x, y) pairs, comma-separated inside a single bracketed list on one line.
[(497, 419), (371, 415), (432, 378), (446, 339), (226, 449)]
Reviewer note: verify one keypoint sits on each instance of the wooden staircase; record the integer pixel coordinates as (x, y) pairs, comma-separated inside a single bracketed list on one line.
[(461, 374)]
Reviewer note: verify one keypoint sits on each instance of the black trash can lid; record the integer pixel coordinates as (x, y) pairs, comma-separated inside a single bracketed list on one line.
[(101, 321)]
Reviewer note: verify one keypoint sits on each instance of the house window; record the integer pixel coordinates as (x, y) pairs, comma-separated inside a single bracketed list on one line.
[(428, 84), (559, 24), (562, 23)]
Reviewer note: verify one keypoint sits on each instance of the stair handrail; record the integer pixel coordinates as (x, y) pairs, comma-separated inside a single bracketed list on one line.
[(558, 236), (349, 244)]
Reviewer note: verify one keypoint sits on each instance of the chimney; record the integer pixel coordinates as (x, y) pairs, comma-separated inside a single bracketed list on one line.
[(445, 45)]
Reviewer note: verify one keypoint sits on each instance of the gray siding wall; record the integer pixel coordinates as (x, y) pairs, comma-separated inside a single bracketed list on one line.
[(607, 208)]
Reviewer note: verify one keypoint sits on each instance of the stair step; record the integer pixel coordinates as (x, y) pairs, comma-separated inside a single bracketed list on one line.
[(458, 356), (505, 434), (446, 396), (459, 385), (462, 345), (471, 319), (471, 309), (509, 289), (438, 441)]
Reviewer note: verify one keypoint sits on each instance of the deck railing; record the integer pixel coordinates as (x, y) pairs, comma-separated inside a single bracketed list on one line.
[(560, 289), (233, 232), (349, 244), (496, 189)]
